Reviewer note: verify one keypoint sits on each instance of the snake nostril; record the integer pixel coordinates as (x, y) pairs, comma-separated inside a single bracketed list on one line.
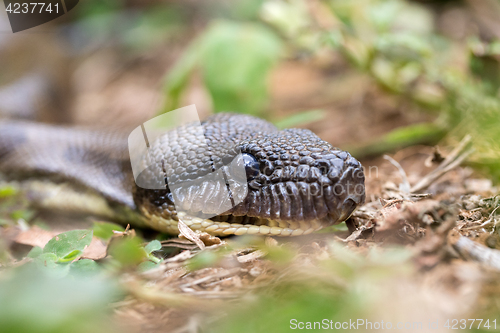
[(251, 166), (323, 166)]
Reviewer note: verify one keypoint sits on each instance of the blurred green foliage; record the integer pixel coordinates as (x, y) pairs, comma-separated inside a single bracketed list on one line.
[(393, 41), (69, 245), (485, 63), (152, 261), (235, 60), (129, 253), (138, 30), (300, 118), (60, 256), (303, 302), (14, 207), (205, 259), (99, 7), (345, 286), (396, 43), (105, 230), (37, 303), (57, 291)]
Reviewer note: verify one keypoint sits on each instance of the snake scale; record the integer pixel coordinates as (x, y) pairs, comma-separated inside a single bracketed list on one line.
[(297, 183)]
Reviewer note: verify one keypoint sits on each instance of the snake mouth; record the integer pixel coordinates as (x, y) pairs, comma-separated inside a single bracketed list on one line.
[(240, 225), (225, 225)]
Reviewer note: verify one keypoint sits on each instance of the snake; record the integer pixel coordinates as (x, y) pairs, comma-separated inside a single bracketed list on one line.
[(293, 183)]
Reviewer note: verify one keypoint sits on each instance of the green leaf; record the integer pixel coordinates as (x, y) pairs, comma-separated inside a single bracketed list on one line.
[(128, 251), (99, 9), (333, 228), (202, 260), (411, 133), (178, 77), (36, 303), (35, 252), (70, 256), (301, 118), (423, 133), (104, 230), (153, 246), (24, 214), (5, 221), (291, 18), (47, 263), (154, 25), (291, 302), (486, 67), (403, 47), (383, 14), (280, 254), (66, 245), (7, 191), (47, 259), (84, 267), (237, 59), (146, 266)]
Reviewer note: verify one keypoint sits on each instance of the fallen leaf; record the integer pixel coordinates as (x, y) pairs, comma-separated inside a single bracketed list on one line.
[(36, 236)]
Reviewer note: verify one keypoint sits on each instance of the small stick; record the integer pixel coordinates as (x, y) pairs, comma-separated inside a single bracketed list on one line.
[(457, 156), (190, 234), (405, 183), (473, 251)]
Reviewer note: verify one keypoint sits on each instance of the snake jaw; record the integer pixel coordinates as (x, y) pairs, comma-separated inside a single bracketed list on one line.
[(225, 229), (259, 226)]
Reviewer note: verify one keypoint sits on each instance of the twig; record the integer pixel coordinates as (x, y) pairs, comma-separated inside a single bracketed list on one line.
[(157, 296), (355, 235), (477, 252), (482, 225), (405, 185), (457, 156), (180, 243), (190, 234), (494, 210), (252, 256), (219, 275)]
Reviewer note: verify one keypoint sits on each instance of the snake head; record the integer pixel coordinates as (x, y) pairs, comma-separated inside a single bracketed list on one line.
[(295, 183), (295, 178)]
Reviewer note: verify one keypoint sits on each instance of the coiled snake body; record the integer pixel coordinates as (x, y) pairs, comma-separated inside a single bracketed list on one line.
[(297, 183)]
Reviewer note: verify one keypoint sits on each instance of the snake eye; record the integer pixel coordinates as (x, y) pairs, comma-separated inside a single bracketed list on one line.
[(251, 166)]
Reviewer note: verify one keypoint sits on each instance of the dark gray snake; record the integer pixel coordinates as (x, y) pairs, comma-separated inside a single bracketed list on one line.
[(297, 183)]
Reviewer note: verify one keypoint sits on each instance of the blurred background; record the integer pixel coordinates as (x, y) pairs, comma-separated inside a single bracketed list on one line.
[(350, 71), (371, 76), (368, 76)]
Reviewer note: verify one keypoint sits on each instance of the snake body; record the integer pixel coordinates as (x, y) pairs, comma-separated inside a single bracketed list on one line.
[(296, 182)]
